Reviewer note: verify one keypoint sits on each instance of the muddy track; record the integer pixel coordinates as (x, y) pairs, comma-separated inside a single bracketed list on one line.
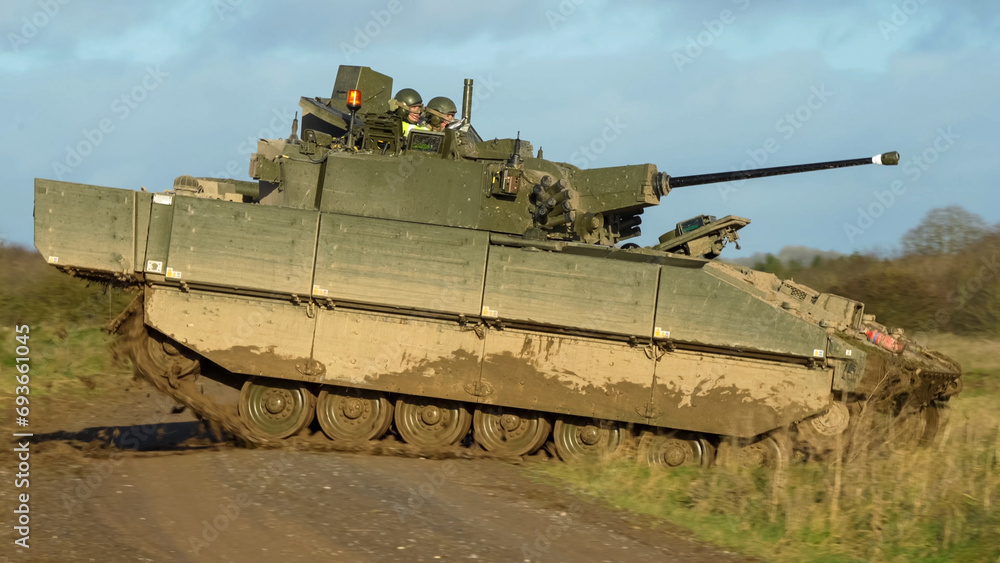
[(179, 381), (176, 372), (181, 497)]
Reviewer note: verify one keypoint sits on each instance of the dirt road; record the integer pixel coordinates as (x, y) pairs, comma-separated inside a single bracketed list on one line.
[(168, 498)]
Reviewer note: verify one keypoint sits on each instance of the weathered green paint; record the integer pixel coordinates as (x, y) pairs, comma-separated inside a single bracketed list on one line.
[(376, 88), (85, 227), (243, 246), (552, 288), (619, 187), (398, 264), (698, 307), (300, 184), (417, 188), (849, 360), (161, 220), (143, 207)]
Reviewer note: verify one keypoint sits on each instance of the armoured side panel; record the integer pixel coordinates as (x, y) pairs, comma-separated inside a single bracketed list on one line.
[(849, 360), (695, 306), (143, 205), (242, 246), (391, 263), (414, 188), (570, 291), (566, 374), (161, 221), (242, 334), (398, 354), (300, 184), (735, 396), (85, 227)]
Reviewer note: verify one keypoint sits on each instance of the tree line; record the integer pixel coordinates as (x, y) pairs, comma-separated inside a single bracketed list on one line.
[(945, 279)]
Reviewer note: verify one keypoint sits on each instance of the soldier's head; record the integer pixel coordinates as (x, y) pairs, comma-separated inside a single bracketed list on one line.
[(407, 104), (440, 111)]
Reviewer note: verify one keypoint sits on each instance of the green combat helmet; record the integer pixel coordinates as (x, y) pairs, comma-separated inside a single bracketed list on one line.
[(438, 109), (404, 100)]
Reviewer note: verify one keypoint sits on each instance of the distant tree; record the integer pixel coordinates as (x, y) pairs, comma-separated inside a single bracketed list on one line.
[(771, 264), (944, 230), (794, 268)]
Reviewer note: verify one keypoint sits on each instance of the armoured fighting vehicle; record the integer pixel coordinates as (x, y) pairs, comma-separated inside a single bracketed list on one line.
[(452, 289)]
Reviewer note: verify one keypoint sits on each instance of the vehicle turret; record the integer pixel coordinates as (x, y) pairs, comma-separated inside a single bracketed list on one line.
[(456, 178)]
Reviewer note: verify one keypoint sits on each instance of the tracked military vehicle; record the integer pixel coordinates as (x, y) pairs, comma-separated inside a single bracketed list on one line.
[(440, 286)]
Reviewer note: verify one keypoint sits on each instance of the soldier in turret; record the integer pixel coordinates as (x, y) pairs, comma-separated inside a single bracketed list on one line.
[(440, 111), (409, 106)]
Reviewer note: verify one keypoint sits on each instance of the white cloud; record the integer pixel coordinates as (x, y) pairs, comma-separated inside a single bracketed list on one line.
[(557, 85)]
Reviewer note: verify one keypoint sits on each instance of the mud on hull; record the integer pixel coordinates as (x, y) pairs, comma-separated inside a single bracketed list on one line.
[(434, 382)]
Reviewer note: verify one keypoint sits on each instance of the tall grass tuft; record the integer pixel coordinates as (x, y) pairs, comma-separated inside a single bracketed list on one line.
[(931, 504), (34, 293)]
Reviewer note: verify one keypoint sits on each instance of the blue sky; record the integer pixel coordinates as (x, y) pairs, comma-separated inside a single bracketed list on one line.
[(153, 90)]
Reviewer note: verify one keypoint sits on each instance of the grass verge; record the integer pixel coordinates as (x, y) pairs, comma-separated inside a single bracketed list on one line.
[(64, 363), (934, 504)]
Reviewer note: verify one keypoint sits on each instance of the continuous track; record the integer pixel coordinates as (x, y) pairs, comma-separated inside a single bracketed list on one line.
[(177, 373)]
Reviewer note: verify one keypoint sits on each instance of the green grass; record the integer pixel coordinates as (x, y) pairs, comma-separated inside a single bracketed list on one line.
[(69, 351), (74, 362), (935, 504)]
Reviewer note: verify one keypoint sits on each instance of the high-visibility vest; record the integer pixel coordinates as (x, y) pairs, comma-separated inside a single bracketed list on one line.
[(407, 127)]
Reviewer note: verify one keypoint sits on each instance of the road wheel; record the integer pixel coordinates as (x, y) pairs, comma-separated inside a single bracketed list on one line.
[(427, 422), (581, 438), (353, 416), (275, 408), (773, 450), (667, 449), (509, 431)]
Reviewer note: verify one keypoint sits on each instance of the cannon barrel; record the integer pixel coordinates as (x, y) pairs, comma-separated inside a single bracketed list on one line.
[(889, 158)]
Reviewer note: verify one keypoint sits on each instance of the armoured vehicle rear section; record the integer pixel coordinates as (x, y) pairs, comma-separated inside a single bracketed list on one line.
[(438, 284)]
